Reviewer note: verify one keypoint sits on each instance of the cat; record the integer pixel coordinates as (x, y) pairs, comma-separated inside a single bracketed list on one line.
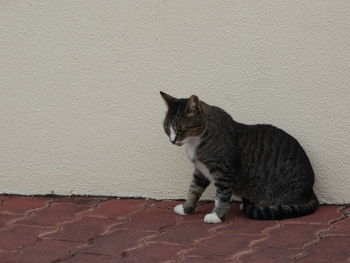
[(260, 163)]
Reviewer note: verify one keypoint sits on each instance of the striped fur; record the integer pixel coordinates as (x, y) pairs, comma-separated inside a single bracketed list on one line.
[(263, 164)]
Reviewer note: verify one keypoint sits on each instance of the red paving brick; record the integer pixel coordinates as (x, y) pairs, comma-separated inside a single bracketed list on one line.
[(184, 233), (97, 229), (119, 208), (270, 255), (53, 215), (153, 253), (333, 249), (86, 258), (196, 259), (14, 238), (346, 210), (4, 198), (215, 249), (284, 243), (82, 229), (342, 228), (116, 243), (293, 236), (9, 257), (43, 251), (239, 224), (6, 219), (78, 200), (21, 204), (157, 219)]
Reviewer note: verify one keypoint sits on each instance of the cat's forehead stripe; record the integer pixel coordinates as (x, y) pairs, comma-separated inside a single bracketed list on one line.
[(175, 113)]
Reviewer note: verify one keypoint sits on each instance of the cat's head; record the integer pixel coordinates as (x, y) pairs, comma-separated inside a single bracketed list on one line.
[(185, 118)]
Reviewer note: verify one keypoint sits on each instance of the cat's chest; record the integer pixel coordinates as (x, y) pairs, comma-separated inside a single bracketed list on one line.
[(204, 170), (191, 145)]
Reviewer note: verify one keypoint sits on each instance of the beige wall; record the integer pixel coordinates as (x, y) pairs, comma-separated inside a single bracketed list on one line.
[(80, 111)]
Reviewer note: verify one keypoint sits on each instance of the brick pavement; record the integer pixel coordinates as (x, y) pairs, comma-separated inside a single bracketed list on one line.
[(102, 230)]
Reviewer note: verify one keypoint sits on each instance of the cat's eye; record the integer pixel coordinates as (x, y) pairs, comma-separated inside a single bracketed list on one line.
[(192, 127), (181, 130)]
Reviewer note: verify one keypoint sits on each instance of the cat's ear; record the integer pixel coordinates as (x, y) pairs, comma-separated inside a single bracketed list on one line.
[(193, 106), (169, 100)]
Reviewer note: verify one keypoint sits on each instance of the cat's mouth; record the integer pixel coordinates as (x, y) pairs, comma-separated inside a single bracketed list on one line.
[(179, 143)]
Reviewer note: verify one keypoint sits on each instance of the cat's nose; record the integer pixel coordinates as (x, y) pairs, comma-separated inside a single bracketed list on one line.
[(173, 139)]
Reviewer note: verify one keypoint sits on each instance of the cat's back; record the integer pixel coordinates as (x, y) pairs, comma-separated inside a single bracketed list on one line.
[(271, 146), (257, 141), (264, 133)]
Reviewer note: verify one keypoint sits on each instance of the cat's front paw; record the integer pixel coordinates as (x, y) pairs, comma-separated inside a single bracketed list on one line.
[(179, 209), (212, 218)]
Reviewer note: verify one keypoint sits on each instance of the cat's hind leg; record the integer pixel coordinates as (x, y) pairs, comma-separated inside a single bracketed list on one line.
[(198, 185), (244, 203)]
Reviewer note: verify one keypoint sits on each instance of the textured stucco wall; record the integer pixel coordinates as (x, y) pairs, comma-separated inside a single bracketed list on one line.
[(80, 111)]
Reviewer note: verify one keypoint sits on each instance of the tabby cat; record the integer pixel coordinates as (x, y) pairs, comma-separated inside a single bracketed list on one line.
[(262, 164)]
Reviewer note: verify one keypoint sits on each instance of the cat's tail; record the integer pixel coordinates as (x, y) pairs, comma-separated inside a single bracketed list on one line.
[(279, 212)]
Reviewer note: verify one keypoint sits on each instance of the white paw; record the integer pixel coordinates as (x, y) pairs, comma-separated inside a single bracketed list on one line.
[(241, 206), (179, 209), (212, 218)]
